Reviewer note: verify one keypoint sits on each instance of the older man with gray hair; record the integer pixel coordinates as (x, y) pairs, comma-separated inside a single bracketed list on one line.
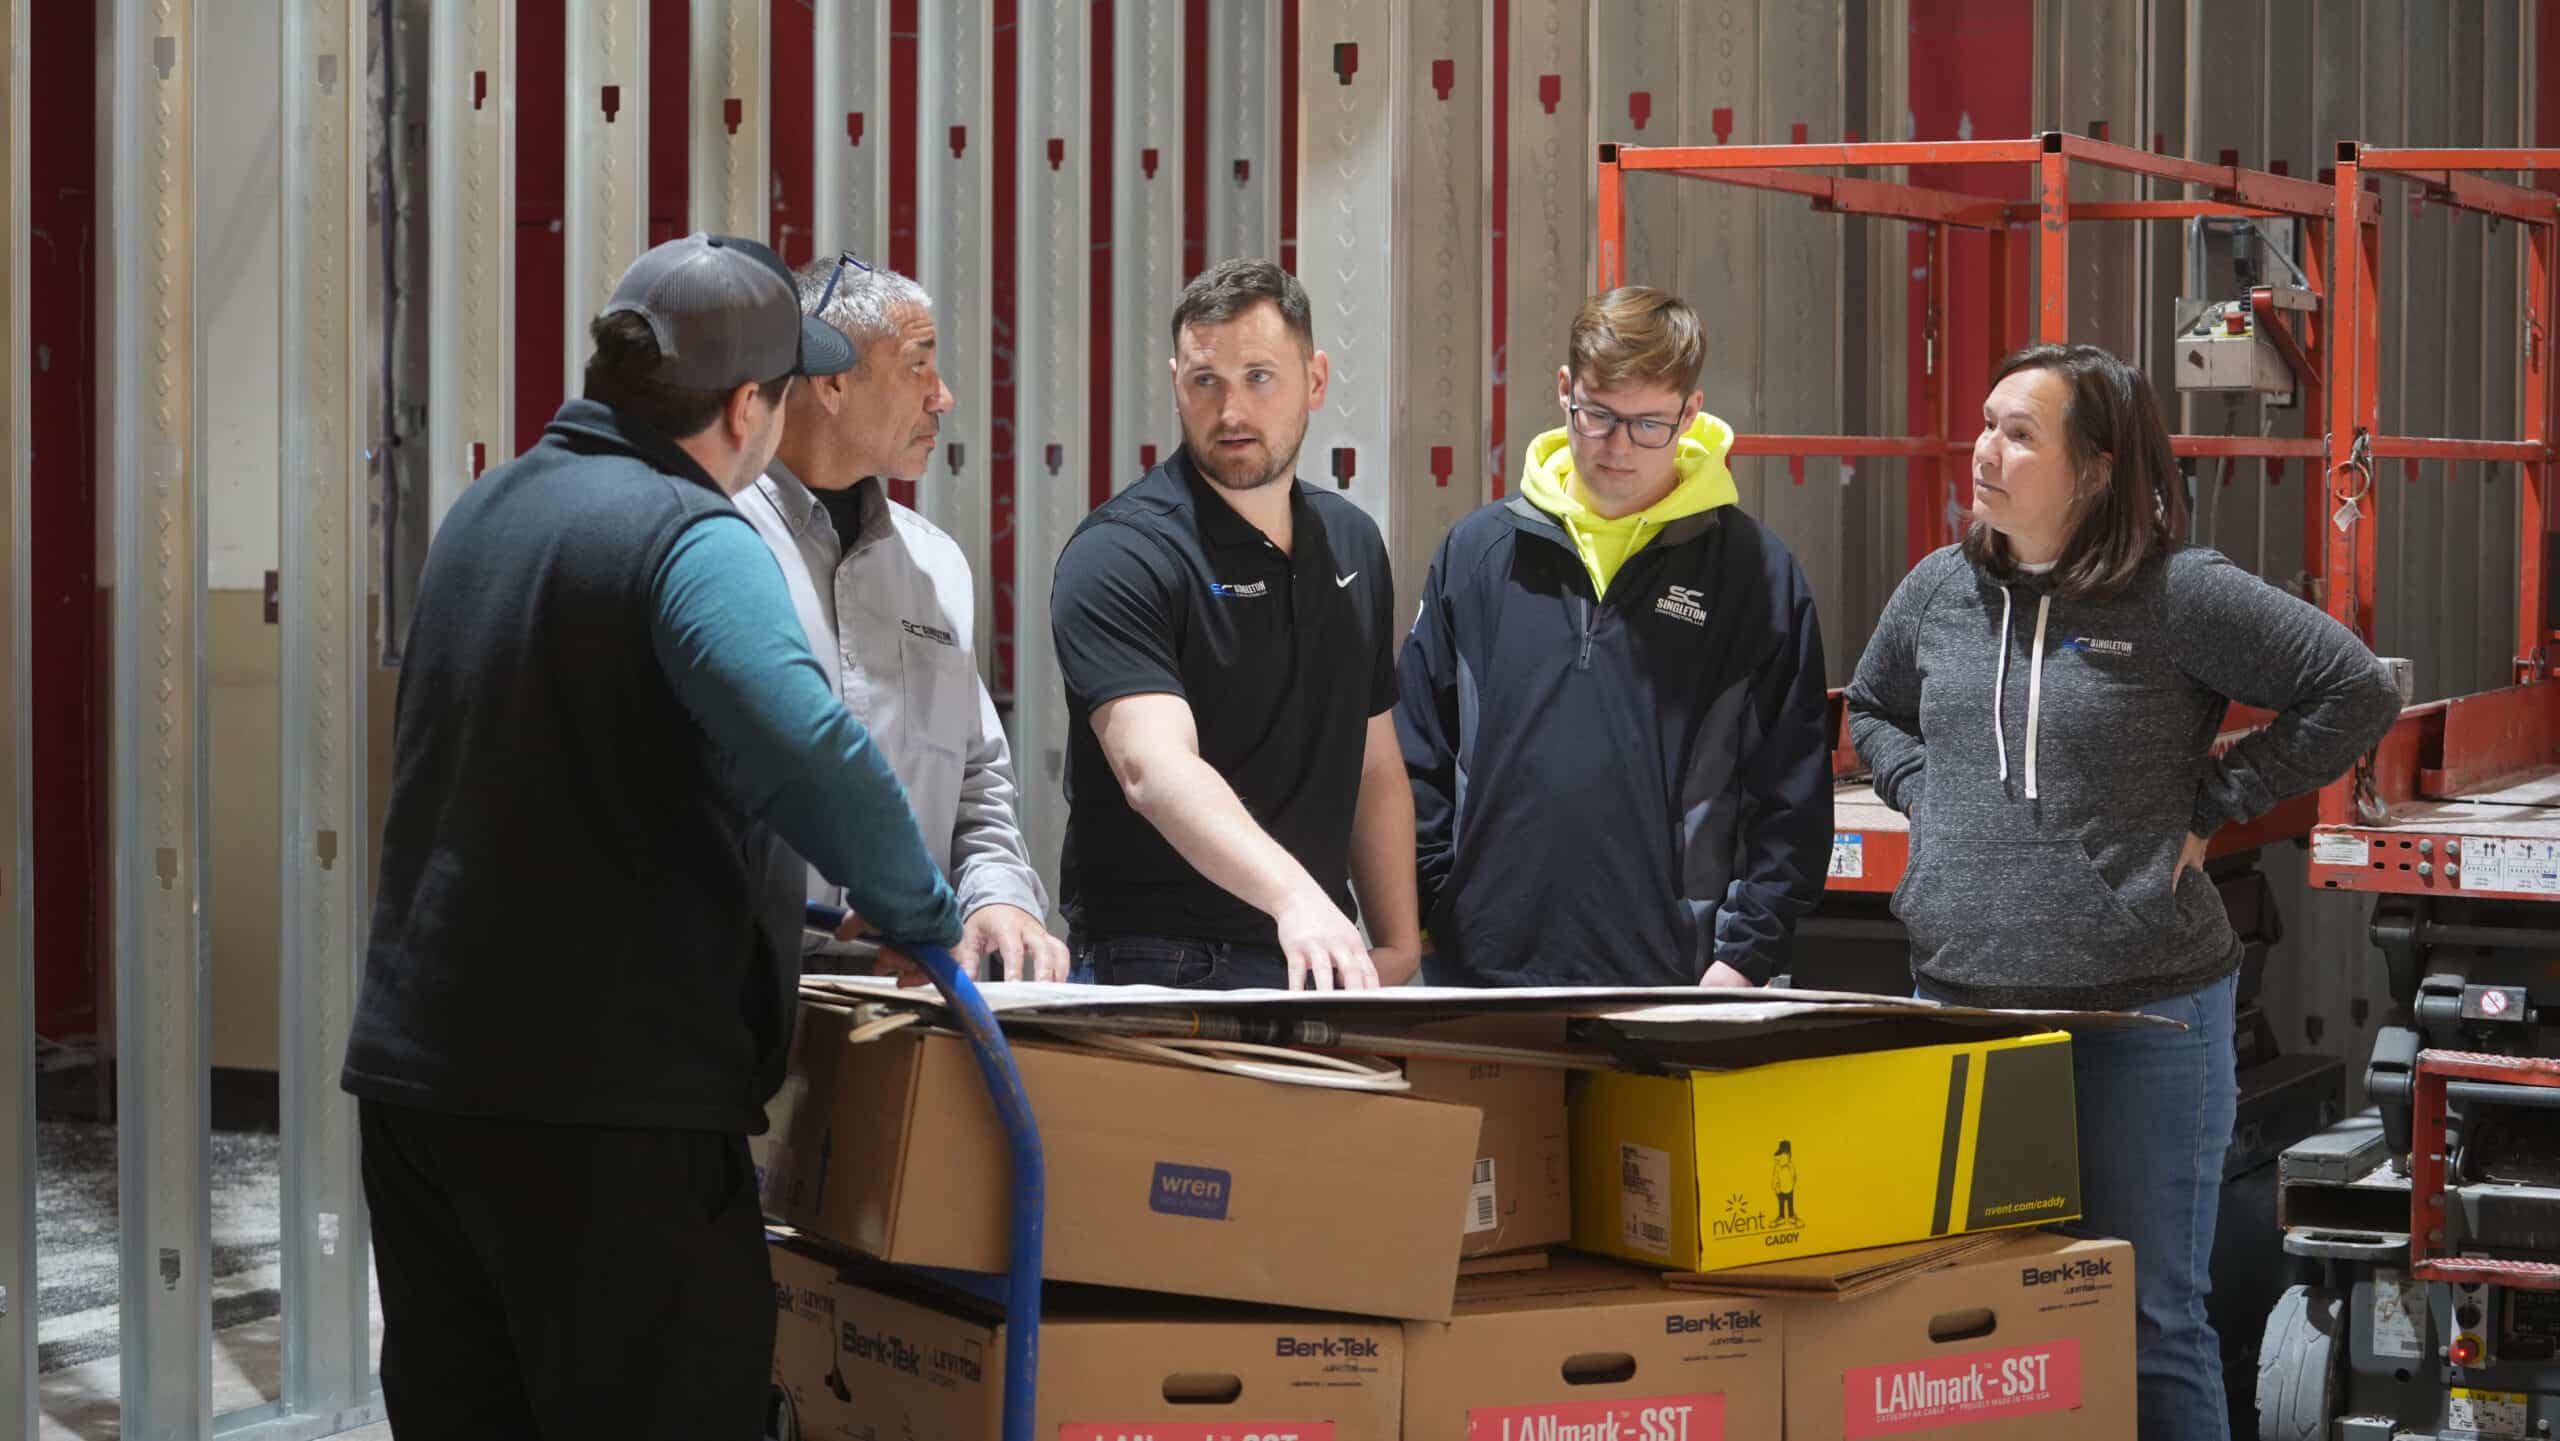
[(886, 601)]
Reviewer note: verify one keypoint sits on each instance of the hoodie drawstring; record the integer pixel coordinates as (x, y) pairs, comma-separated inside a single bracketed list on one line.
[(2000, 689), (2035, 692), (2035, 689)]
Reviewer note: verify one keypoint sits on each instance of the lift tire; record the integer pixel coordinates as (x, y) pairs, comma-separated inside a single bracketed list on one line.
[(2298, 1365)]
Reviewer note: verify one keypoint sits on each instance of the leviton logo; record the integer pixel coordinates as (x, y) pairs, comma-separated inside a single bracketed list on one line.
[(2088, 1269), (1328, 1347), (1720, 1322)]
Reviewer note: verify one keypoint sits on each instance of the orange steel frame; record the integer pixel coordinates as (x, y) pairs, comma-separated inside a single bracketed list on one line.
[(2448, 748), (1937, 473)]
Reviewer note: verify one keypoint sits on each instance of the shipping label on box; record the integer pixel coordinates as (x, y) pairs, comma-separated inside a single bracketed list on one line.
[(1809, 1157), (1999, 1346), (1591, 1349), (1517, 1191)]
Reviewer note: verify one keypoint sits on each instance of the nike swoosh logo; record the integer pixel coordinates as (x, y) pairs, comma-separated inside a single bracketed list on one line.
[(1340, 581)]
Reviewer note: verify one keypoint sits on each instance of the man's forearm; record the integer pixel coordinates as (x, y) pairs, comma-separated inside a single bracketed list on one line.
[(1382, 860), (1194, 808)]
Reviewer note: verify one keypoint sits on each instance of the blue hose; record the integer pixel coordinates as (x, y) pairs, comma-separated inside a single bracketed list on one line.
[(1030, 1178)]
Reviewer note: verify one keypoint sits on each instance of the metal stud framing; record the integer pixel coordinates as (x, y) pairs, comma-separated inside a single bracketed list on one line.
[(1146, 228), (471, 266), (1548, 229), (1353, 55), (17, 864), (728, 177), (1244, 129), (1638, 54), (850, 103), (954, 176), (605, 212), (1051, 327), (1439, 360), (323, 423), (163, 1136)]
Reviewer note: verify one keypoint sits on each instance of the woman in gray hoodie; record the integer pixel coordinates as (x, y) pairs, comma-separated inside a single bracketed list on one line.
[(2042, 701)]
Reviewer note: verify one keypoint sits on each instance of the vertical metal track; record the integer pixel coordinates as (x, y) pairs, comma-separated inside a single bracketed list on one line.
[(1244, 129), (1548, 229), (470, 300), (1052, 325), (1638, 54), (730, 193), (605, 212), (1802, 324), (1353, 56), (1440, 281), (152, 412), (325, 414), (1720, 271), (17, 840), (954, 178), (1146, 229), (850, 107)]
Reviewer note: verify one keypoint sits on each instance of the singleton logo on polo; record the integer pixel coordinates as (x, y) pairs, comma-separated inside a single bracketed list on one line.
[(1250, 590), (933, 633), (1681, 602)]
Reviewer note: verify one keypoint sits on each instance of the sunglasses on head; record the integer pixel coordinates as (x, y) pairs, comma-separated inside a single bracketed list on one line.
[(843, 259)]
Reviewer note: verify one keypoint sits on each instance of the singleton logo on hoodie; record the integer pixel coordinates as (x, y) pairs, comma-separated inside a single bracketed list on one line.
[(1681, 602), (2102, 647)]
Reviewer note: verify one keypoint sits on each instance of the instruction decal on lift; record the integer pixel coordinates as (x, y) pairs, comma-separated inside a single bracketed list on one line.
[(1480, 1203), (2399, 1316), (1848, 856), (2490, 1413), (1644, 1199), (2500, 863), (2331, 849), (1658, 1418)]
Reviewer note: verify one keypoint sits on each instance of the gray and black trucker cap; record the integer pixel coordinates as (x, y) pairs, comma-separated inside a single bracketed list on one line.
[(725, 312)]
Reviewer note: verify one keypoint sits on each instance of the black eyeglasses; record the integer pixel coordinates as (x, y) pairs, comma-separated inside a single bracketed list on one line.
[(1592, 423), (843, 259)]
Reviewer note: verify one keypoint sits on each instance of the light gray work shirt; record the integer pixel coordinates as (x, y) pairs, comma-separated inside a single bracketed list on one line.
[(891, 618)]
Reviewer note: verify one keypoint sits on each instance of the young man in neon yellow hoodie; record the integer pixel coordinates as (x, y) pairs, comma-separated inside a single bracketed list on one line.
[(1612, 700)]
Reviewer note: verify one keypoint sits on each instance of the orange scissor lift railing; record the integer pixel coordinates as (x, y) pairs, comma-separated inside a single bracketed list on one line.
[(1876, 839), (2462, 799)]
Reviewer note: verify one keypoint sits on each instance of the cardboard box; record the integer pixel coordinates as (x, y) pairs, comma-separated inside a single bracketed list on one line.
[(2030, 1339), (810, 1387), (1591, 1349), (1826, 1154), (1160, 1178), (1518, 1196), (917, 1368)]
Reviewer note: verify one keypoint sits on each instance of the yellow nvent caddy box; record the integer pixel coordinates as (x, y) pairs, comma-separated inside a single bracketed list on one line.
[(1834, 1153)]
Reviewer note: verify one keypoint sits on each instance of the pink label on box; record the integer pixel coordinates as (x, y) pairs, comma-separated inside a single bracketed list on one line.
[(1958, 1390), (1659, 1418), (1197, 1431)]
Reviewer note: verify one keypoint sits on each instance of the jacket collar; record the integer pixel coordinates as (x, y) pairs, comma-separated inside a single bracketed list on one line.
[(592, 427)]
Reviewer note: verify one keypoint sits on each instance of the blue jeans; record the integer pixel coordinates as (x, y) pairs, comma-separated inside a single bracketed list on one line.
[(2156, 1110), (1183, 965)]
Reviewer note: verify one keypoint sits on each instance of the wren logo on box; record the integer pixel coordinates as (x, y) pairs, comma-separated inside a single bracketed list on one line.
[(1199, 1191)]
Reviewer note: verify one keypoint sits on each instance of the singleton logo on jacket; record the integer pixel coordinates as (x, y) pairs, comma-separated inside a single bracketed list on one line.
[(1680, 602), (933, 633), (2102, 647), (1250, 590)]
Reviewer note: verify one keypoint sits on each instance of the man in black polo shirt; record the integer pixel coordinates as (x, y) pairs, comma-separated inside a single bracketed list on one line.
[(1226, 633)]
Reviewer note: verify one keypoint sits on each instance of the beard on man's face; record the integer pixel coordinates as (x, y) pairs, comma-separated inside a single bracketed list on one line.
[(1249, 466)]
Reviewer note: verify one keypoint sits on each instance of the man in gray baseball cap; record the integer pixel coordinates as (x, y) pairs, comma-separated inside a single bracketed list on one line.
[(585, 945)]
